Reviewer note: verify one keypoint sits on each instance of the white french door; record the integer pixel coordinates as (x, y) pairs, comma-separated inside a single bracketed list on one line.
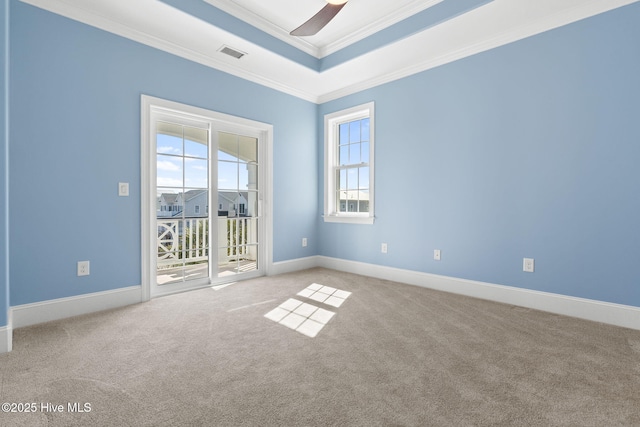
[(206, 175)]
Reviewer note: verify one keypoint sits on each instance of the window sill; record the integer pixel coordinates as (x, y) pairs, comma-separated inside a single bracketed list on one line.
[(349, 219)]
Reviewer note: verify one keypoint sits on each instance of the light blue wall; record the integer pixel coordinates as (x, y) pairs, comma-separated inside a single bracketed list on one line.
[(75, 133), (4, 144), (528, 150)]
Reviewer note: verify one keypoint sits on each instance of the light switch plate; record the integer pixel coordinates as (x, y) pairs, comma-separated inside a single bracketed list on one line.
[(123, 189)]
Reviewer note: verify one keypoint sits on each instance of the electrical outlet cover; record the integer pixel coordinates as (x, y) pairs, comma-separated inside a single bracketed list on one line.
[(528, 265), (83, 268)]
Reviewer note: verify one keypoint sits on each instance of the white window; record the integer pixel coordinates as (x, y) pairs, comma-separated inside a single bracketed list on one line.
[(348, 172)]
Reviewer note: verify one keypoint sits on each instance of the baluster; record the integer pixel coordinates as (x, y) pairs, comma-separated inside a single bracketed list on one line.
[(197, 243)]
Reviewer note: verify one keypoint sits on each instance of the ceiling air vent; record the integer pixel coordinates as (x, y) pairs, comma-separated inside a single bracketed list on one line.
[(231, 52)]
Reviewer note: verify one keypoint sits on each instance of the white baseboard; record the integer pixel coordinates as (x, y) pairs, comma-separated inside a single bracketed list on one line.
[(298, 264), (46, 311), (597, 311), (6, 339)]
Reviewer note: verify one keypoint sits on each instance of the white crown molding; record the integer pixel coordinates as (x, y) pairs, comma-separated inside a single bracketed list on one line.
[(361, 33), (306, 86), (95, 20), (262, 24), (358, 33), (559, 19)]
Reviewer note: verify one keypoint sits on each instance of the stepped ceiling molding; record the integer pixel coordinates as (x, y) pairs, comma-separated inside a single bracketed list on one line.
[(369, 42)]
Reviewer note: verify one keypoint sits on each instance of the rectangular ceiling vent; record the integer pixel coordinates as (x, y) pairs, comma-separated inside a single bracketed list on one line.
[(232, 52)]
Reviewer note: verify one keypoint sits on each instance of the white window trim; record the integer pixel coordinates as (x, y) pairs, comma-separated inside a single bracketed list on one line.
[(331, 134)]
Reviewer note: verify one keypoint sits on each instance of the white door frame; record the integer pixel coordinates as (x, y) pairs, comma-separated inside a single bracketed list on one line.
[(220, 121)]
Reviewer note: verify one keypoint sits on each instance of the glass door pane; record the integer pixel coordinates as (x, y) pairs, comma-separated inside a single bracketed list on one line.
[(238, 189), (182, 203)]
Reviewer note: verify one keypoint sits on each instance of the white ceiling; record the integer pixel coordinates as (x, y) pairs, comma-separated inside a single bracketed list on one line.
[(159, 25), (357, 20)]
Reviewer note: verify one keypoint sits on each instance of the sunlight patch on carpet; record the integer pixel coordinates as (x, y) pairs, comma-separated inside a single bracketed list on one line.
[(300, 316), (325, 294)]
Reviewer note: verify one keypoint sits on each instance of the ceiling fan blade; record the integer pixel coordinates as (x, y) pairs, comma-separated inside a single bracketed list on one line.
[(318, 21)]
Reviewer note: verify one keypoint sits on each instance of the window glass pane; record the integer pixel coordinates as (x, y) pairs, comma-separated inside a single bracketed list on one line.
[(169, 138), (196, 173), (342, 202), (228, 146), (364, 201), (169, 145), (354, 154), (195, 149), (342, 179), (352, 179), (252, 171), (249, 259), (364, 158), (252, 204), (248, 176), (363, 177), (192, 199), (227, 175), (344, 154), (169, 171), (165, 200), (352, 195), (224, 156), (251, 230), (248, 149), (344, 133), (234, 199), (196, 270), (354, 131), (195, 142), (364, 130)]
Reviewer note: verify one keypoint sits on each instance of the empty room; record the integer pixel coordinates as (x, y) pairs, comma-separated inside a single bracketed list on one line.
[(319, 212)]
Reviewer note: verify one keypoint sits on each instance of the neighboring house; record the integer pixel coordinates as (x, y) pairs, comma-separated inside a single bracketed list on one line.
[(194, 204), (232, 204), (354, 201), (167, 205)]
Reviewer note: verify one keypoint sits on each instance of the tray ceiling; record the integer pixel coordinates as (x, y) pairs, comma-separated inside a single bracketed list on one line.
[(187, 34)]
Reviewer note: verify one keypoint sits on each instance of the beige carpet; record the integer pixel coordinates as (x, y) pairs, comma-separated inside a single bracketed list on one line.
[(390, 355)]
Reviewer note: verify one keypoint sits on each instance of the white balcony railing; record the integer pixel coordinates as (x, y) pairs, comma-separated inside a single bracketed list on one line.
[(186, 240)]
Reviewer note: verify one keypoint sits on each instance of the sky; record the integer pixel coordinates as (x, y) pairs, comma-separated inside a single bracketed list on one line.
[(191, 170)]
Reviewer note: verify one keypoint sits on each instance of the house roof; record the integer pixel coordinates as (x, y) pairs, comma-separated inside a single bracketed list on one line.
[(169, 198)]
